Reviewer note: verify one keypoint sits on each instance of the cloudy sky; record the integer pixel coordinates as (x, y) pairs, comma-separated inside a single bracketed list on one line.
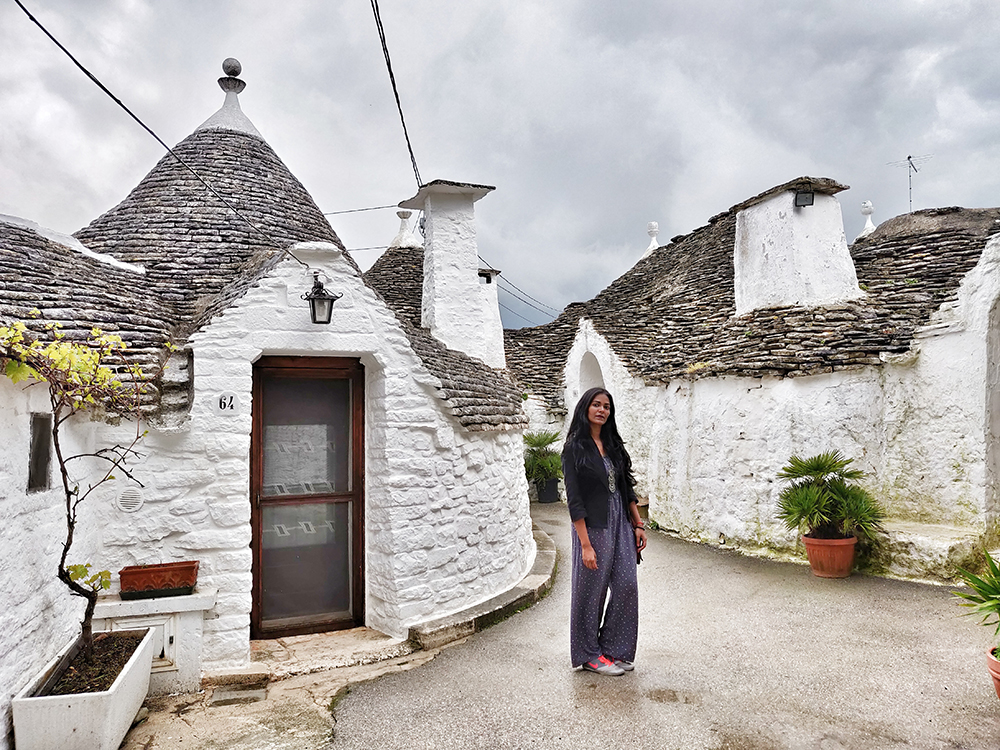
[(591, 117)]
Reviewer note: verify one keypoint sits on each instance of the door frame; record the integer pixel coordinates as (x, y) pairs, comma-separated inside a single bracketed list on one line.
[(310, 367)]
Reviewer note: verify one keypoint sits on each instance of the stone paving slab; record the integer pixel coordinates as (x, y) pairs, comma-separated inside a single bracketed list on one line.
[(284, 699), (735, 653)]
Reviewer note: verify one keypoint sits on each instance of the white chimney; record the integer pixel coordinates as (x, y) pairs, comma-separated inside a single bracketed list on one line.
[(791, 249), (460, 312)]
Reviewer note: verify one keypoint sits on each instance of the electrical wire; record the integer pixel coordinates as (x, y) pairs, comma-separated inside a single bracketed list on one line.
[(507, 281), (227, 204), (395, 91), (356, 210), (552, 310), (524, 301), (516, 315), (159, 140)]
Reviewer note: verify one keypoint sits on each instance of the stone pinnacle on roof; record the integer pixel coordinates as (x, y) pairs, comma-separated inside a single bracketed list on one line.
[(405, 239), (230, 116), (652, 229), (866, 210)]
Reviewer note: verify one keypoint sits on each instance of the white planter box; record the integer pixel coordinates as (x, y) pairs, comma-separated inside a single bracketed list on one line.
[(89, 721)]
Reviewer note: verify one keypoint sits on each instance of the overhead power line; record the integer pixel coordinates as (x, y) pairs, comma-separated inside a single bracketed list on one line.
[(357, 210), (395, 91), (149, 130), (507, 281), (524, 301), (516, 315)]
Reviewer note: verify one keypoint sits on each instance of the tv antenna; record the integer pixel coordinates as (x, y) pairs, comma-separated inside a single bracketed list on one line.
[(911, 162)]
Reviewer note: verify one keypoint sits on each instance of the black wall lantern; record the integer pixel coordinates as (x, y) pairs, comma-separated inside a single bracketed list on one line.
[(320, 301)]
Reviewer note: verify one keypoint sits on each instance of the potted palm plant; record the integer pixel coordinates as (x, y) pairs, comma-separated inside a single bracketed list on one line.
[(542, 464), (830, 510), (984, 601)]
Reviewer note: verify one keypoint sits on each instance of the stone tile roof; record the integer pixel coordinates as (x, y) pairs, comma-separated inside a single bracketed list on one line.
[(200, 257), (673, 314), (80, 292), (398, 275), (480, 397), (198, 254)]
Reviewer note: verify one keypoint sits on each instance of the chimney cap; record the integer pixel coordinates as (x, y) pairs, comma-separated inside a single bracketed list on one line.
[(444, 187), (821, 185)]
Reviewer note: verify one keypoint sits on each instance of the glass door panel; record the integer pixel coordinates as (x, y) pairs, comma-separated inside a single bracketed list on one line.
[(306, 564), (307, 437)]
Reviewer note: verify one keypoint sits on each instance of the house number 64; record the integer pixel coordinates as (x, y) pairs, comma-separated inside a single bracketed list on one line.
[(227, 403)]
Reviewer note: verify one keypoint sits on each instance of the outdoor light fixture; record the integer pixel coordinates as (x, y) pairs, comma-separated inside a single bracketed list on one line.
[(804, 198), (320, 301)]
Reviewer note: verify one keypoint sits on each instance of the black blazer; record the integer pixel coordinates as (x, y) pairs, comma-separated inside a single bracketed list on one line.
[(587, 490)]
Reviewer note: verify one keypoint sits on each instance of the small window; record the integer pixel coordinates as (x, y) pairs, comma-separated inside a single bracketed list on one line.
[(41, 451)]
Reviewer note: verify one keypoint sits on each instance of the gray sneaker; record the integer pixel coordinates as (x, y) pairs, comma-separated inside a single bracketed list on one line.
[(603, 666), (626, 665)]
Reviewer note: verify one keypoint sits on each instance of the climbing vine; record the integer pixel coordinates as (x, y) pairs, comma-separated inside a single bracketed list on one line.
[(79, 375)]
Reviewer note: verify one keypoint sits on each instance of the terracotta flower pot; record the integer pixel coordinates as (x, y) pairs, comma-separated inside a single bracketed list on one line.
[(994, 666), (830, 558), (162, 579)]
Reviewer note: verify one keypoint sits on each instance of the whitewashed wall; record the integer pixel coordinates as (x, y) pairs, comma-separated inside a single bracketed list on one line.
[(38, 615), (707, 451), (446, 511)]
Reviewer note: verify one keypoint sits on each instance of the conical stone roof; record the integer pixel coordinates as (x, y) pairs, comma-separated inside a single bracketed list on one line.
[(198, 253)]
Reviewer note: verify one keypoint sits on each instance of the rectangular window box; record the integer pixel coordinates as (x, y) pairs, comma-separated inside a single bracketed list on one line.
[(161, 579)]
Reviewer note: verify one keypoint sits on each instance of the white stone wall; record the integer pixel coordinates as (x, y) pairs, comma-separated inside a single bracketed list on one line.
[(446, 511), (592, 362), (706, 452), (38, 616), (792, 256), (492, 333)]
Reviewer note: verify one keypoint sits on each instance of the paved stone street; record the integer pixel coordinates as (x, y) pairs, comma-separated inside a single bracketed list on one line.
[(734, 653)]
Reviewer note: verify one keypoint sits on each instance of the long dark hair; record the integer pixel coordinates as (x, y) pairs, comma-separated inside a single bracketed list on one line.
[(579, 440)]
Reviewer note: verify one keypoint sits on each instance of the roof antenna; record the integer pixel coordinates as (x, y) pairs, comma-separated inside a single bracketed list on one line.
[(911, 162)]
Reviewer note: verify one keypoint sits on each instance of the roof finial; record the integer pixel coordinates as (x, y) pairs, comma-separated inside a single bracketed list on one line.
[(404, 239), (230, 117), (232, 68), (866, 210), (652, 229)]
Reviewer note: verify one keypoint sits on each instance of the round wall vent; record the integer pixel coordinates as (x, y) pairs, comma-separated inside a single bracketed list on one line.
[(130, 500)]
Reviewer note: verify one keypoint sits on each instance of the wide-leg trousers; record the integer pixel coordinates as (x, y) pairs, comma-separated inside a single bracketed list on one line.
[(596, 629)]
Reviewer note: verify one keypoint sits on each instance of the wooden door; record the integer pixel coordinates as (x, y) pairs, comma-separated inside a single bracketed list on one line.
[(307, 480)]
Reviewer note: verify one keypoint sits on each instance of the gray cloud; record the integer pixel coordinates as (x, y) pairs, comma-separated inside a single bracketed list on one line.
[(591, 118)]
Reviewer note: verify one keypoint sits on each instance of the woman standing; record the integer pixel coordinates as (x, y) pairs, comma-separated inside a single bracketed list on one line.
[(608, 534)]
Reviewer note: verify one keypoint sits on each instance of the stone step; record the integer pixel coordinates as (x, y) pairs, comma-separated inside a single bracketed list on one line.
[(929, 552)]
